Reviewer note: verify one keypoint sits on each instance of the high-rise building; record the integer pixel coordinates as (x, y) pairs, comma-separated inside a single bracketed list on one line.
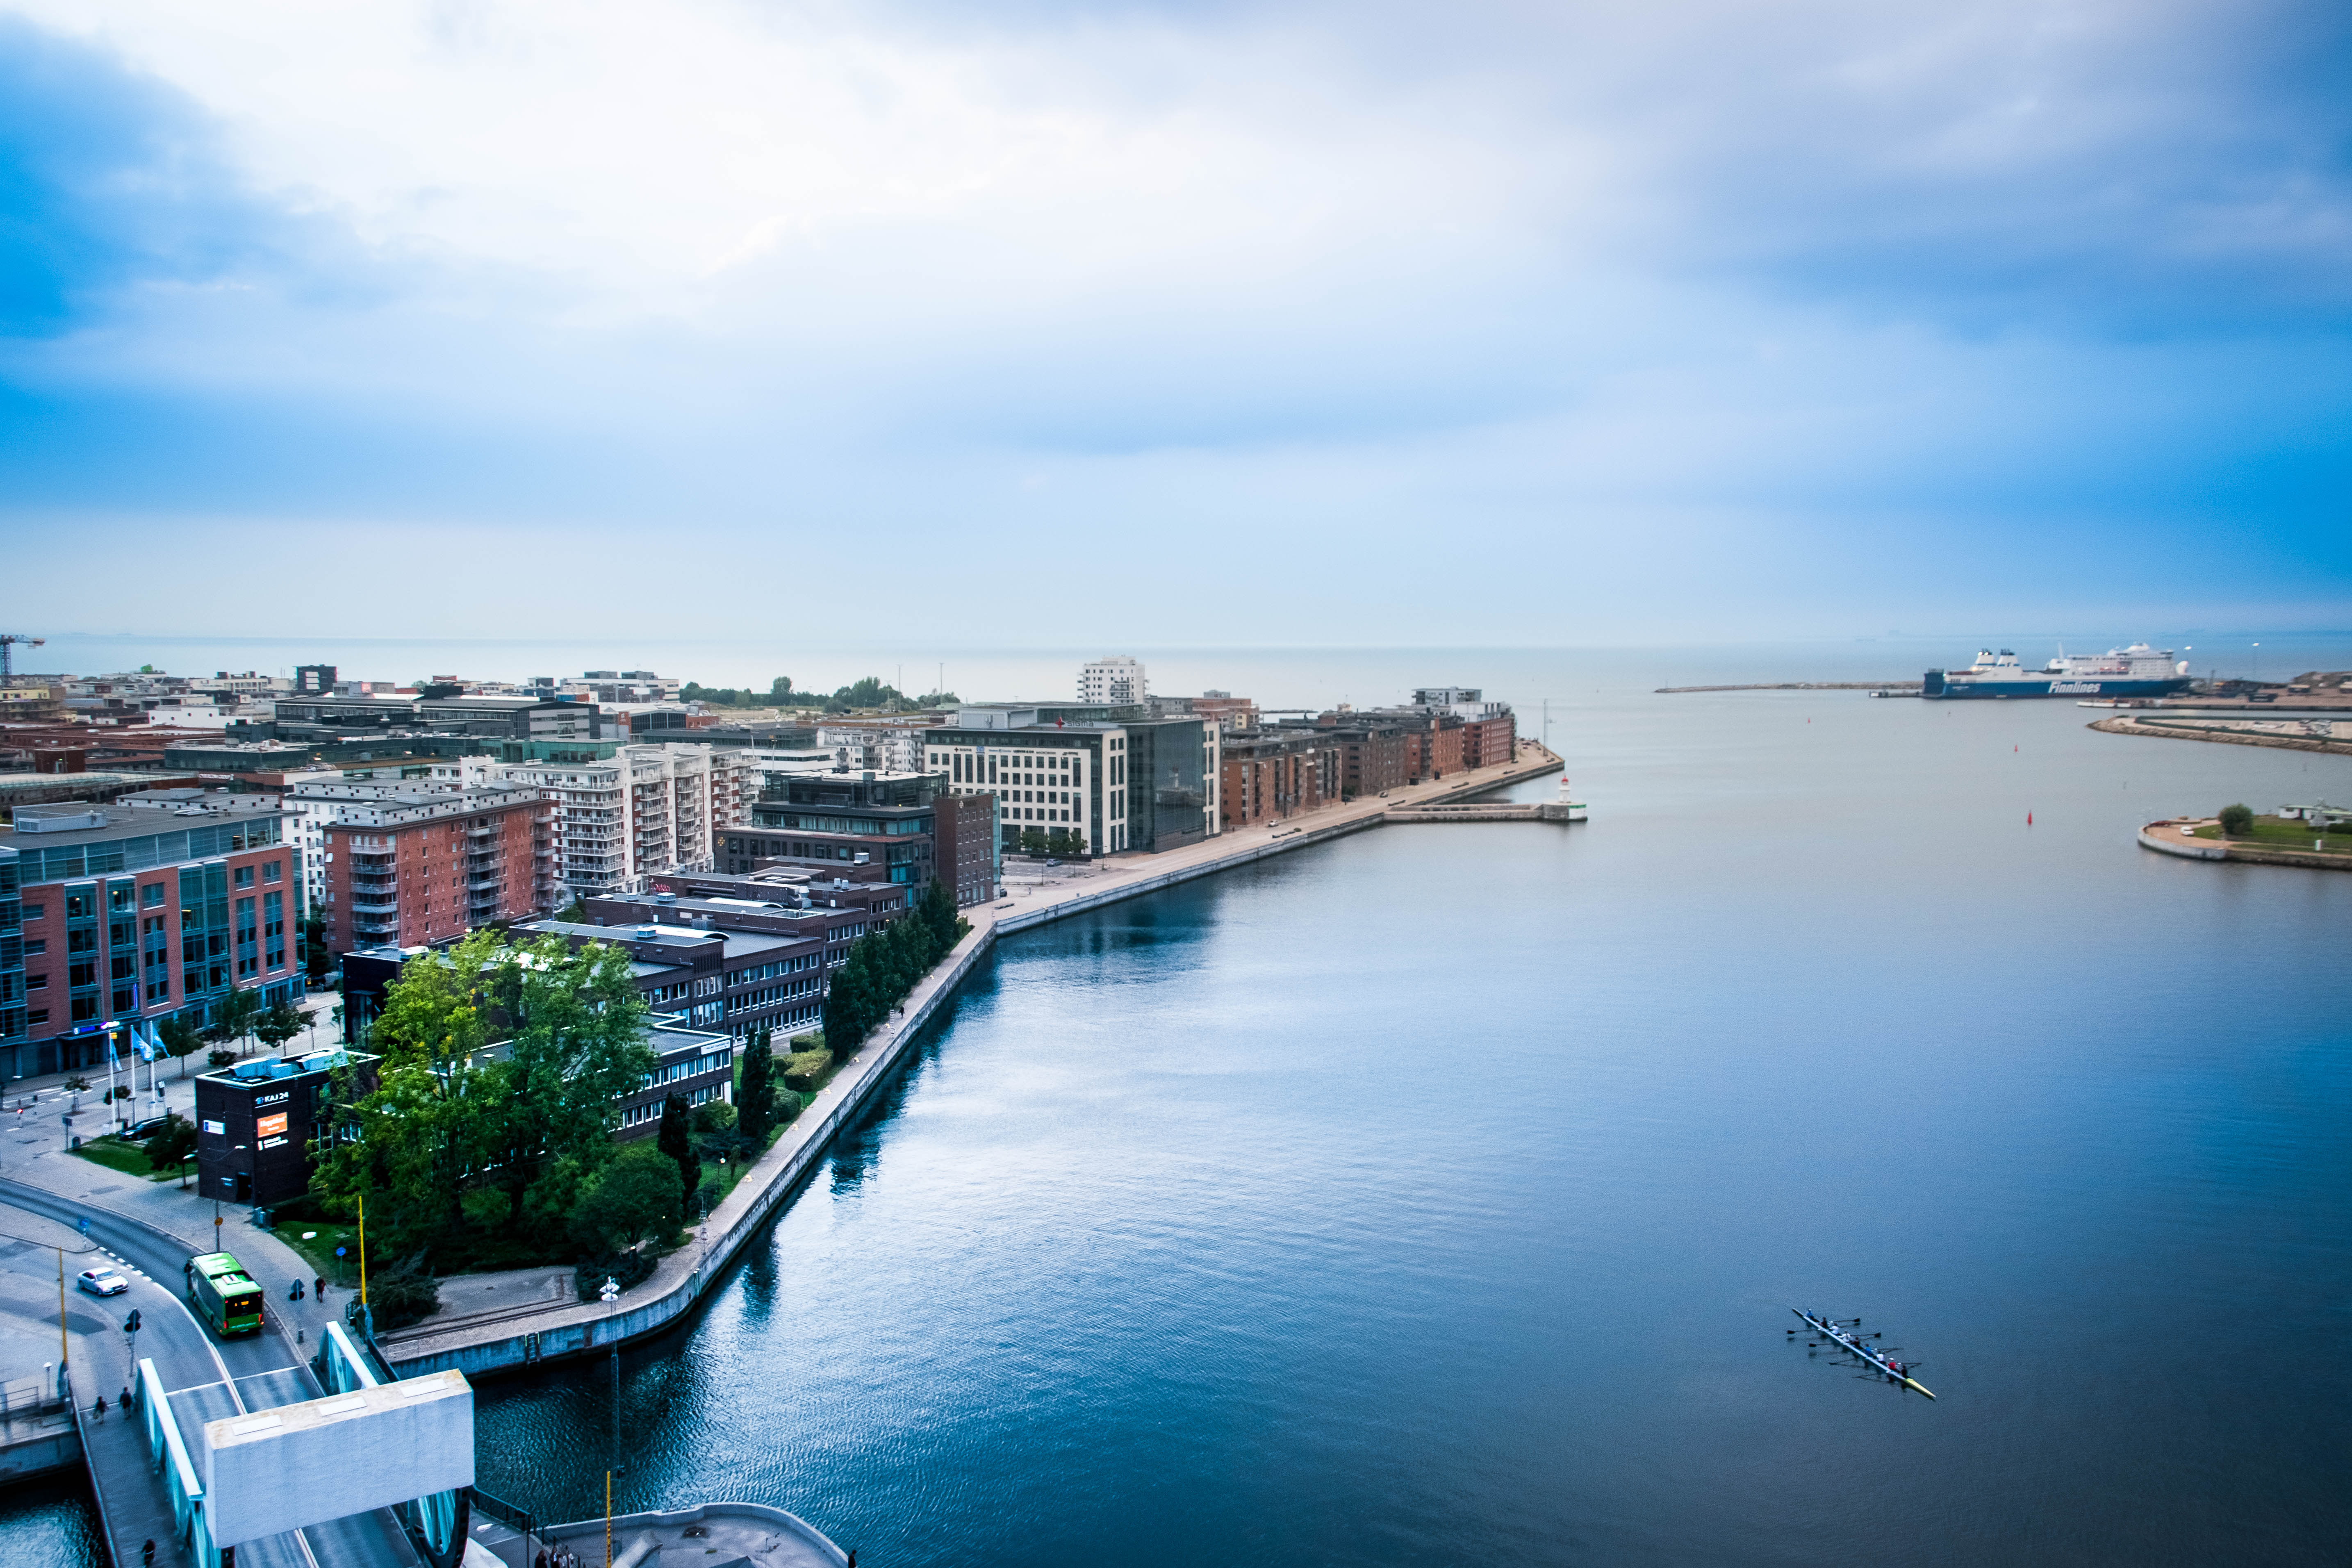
[(1118, 680), (1077, 776)]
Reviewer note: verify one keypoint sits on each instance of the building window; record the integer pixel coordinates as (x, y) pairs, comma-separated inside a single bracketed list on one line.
[(152, 894), (272, 871), (245, 876), (37, 1015)]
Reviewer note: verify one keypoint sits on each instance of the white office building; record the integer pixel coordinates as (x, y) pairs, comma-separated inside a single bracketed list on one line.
[(1118, 680)]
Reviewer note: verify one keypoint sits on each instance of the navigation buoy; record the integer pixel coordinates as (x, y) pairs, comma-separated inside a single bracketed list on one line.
[(2029, 819)]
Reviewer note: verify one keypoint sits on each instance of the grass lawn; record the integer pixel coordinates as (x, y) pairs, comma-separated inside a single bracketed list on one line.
[(2283, 834), (130, 1159), (315, 1240)]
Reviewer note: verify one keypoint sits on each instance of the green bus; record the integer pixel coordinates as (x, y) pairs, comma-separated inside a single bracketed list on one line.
[(224, 1294)]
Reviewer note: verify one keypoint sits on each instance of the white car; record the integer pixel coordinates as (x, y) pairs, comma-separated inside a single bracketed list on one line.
[(101, 1282)]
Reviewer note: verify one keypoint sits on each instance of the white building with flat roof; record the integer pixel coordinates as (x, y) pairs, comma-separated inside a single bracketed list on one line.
[(1115, 680)]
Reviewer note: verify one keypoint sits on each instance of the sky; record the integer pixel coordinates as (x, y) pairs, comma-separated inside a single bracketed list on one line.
[(1286, 323)]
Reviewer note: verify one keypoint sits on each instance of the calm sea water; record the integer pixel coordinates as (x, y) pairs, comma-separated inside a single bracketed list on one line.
[(1441, 1194)]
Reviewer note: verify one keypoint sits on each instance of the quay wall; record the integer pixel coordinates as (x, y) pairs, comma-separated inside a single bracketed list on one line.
[(522, 1337), (37, 1452), (2171, 837), (2121, 726)]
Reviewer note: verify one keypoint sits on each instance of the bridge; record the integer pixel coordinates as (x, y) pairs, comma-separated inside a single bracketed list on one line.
[(251, 1452)]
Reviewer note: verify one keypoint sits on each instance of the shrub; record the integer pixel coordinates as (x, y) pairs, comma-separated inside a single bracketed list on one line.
[(171, 1143), (624, 1268), (220, 1058), (806, 1070), (403, 1294), (2237, 821)]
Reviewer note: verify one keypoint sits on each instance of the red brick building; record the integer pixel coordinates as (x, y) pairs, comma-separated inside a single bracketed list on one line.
[(1375, 753), (1490, 739), (412, 870), (147, 907), (1274, 773)]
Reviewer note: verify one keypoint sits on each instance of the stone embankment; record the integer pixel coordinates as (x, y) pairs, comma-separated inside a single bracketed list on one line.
[(519, 1336), (2161, 731), (2177, 836)]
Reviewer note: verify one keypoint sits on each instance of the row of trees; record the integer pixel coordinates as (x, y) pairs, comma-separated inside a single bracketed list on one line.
[(884, 966), (870, 692), (1052, 841), (239, 1017)]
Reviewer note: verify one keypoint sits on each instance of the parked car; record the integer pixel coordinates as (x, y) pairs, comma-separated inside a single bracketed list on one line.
[(101, 1282)]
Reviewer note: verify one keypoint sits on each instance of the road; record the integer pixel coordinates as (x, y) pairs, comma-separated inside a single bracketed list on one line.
[(208, 1379)]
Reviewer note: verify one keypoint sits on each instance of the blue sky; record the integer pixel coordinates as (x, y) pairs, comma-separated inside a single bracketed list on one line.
[(1270, 323)]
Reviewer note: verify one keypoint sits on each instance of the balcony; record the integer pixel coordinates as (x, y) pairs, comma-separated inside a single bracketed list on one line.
[(383, 905), (486, 884)]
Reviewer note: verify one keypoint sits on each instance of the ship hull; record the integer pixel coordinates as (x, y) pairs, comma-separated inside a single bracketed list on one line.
[(1938, 685)]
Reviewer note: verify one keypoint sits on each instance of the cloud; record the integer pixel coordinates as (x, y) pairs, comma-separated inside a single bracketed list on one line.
[(1823, 284)]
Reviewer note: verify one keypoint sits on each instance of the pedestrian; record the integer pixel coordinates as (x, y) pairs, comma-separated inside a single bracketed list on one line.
[(147, 1554), (125, 1400), (322, 1287), (97, 1411), (539, 1561)]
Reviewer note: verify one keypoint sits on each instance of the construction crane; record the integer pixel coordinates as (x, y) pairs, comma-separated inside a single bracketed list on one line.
[(7, 663)]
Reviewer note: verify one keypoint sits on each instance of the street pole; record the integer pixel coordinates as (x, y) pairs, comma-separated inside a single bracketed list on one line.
[(63, 1351)]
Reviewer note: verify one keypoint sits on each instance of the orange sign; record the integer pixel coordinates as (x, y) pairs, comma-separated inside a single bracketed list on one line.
[(270, 1126)]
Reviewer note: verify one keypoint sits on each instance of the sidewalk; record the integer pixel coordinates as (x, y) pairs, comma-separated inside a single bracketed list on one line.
[(43, 1094)]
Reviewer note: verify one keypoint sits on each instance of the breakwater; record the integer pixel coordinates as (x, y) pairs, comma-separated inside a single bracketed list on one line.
[(2161, 731), (520, 1337)]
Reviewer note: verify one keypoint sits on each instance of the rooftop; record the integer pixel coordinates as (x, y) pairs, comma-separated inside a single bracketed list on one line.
[(71, 823)]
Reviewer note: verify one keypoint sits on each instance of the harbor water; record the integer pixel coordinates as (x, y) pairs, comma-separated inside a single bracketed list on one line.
[(1439, 1195)]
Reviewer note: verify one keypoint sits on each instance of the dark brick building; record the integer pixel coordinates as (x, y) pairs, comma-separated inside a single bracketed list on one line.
[(256, 1121)]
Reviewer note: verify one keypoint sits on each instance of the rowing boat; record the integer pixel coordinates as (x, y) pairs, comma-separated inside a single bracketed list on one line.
[(1852, 1344)]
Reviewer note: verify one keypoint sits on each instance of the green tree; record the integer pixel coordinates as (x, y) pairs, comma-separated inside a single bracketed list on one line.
[(634, 1195), (1033, 840), (937, 910), (238, 1014), (755, 1096), (171, 1143), (317, 962), (677, 1141), (181, 1039), (2237, 821), (282, 1024)]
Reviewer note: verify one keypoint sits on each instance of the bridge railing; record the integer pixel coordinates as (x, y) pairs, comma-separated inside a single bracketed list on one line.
[(341, 1365), (168, 1450)]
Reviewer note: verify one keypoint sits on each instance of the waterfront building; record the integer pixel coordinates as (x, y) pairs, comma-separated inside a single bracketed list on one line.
[(1118, 680), (414, 868), (1106, 775), (1375, 752), (1276, 774), (156, 906)]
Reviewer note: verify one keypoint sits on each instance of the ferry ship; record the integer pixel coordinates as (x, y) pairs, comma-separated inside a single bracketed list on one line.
[(2139, 671)]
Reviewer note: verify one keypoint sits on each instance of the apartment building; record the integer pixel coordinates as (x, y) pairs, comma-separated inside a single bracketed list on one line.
[(152, 907), (883, 745), (1277, 773), (415, 869), (642, 810), (1117, 681)]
